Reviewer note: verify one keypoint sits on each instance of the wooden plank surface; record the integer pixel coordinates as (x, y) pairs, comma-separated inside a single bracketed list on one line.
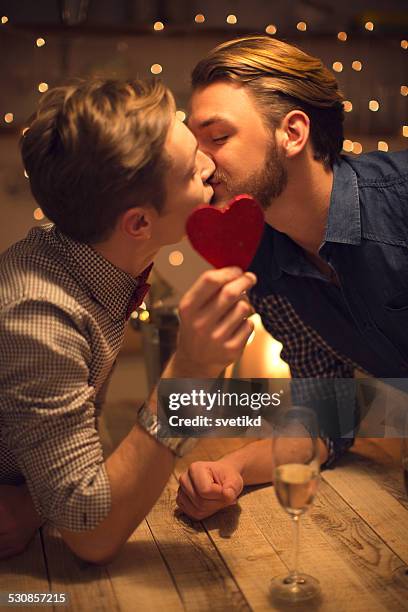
[(203, 580), (353, 564), (88, 586), (352, 540), (140, 577), (25, 573), (383, 508)]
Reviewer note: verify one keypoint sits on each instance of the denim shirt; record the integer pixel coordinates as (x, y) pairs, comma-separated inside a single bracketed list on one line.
[(326, 330), (366, 243)]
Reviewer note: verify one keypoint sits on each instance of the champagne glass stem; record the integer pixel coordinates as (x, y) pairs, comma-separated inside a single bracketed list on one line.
[(296, 527)]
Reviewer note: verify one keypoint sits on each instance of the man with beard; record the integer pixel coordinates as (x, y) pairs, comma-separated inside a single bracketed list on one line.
[(333, 264)]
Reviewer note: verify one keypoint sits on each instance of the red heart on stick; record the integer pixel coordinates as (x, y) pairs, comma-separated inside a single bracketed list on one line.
[(230, 236)]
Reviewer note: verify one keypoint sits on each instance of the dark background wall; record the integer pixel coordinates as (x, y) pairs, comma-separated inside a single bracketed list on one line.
[(116, 38)]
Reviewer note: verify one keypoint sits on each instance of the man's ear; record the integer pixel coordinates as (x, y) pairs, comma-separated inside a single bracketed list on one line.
[(137, 222), (294, 133)]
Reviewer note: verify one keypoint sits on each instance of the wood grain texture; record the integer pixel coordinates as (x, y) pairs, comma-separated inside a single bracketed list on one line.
[(25, 573), (203, 580), (140, 577), (360, 487), (352, 540), (353, 564), (88, 586)]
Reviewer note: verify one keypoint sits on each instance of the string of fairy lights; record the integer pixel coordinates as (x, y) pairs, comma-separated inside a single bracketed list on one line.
[(176, 258)]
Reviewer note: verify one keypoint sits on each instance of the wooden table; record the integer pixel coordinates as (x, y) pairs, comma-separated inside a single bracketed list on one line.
[(353, 538)]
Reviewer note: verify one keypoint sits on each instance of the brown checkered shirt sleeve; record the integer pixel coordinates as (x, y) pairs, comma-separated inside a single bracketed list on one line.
[(62, 319)]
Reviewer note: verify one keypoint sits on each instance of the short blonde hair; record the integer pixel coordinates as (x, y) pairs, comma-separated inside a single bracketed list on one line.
[(281, 78)]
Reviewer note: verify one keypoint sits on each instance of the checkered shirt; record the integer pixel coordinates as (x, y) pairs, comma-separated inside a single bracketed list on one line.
[(310, 357), (63, 310)]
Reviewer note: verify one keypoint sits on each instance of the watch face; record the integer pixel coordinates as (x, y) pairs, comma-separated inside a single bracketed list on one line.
[(150, 423)]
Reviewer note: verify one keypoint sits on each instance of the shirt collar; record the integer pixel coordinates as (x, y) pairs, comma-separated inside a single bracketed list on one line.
[(110, 286), (278, 253), (343, 222)]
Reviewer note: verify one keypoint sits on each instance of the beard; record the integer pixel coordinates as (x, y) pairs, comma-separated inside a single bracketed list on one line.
[(264, 184)]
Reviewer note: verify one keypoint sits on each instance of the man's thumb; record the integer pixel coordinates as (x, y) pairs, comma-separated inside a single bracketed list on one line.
[(231, 490)]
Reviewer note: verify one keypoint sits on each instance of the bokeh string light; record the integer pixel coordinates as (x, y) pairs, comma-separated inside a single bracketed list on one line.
[(340, 64), (271, 29), (181, 115), (38, 214), (156, 68), (176, 258), (348, 145)]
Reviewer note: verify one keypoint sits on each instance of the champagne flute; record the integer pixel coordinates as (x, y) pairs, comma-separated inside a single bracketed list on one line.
[(296, 474)]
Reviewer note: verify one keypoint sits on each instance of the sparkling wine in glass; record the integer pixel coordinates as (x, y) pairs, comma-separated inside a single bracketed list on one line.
[(296, 476)]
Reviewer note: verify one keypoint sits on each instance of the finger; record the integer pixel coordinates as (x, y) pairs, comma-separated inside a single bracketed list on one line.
[(208, 508), (187, 507), (207, 285), (187, 489), (232, 321), (204, 483), (216, 308), (240, 336), (232, 489)]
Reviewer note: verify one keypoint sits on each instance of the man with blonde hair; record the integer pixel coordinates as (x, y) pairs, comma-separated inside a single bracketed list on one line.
[(333, 263), (118, 175)]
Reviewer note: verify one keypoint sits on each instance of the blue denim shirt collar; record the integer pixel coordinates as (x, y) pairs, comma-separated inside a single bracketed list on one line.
[(343, 226), (343, 223)]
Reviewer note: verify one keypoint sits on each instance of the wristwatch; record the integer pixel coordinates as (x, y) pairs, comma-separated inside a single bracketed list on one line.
[(150, 423)]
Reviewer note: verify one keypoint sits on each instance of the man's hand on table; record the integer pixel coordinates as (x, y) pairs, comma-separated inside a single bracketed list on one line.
[(18, 520), (208, 486)]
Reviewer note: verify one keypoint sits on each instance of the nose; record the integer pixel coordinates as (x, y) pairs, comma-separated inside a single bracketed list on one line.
[(206, 164)]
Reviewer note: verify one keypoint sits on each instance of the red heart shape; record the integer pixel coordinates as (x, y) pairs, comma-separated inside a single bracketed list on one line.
[(230, 236)]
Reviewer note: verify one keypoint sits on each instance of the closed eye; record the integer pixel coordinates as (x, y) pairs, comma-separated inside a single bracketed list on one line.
[(220, 138)]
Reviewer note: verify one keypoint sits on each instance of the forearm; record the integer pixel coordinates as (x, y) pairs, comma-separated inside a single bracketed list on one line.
[(138, 471), (255, 460)]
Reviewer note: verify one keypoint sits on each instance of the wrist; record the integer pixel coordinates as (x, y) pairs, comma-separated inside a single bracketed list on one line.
[(181, 366), (236, 461)]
